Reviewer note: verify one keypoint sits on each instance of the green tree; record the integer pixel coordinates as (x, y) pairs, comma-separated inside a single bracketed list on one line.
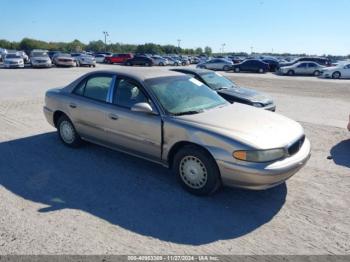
[(198, 51), (208, 51), (149, 48)]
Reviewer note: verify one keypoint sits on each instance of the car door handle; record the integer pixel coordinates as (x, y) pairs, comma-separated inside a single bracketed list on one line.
[(113, 116), (72, 105)]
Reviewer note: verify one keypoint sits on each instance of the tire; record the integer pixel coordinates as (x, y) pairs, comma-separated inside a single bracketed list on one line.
[(161, 64), (128, 63), (196, 170), (291, 73), (183, 63), (237, 70), (336, 75), (226, 68), (261, 70), (176, 64), (317, 73), (67, 133)]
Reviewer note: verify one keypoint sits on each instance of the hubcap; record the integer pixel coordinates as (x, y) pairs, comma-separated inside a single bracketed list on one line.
[(67, 132), (193, 172)]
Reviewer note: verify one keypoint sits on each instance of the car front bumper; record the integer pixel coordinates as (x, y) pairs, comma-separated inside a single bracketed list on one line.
[(13, 65), (41, 64), (259, 177)]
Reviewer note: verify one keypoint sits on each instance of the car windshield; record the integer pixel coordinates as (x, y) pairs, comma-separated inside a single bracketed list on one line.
[(216, 81), (184, 95), (13, 56), (40, 54)]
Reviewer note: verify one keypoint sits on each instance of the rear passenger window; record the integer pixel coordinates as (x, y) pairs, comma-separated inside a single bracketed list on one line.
[(95, 87)]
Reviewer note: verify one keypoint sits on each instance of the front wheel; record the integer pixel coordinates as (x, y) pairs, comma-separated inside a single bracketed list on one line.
[(226, 68), (291, 73), (237, 70), (196, 170), (336, 75), (67, 132), (261, 70)]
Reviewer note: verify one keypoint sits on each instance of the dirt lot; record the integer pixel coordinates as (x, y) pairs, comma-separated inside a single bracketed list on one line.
[(56, 200)]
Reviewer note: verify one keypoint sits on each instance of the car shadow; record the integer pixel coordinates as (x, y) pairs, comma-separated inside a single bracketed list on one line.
[(341, 153), (132, 193)]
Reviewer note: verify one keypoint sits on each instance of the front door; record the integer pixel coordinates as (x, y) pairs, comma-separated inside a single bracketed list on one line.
[(137, 132)]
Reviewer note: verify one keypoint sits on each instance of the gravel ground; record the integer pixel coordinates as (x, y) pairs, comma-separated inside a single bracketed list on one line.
[(56, 200)]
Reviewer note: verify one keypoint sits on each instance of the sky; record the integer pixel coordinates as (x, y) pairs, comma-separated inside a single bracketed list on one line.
[(297, 26)]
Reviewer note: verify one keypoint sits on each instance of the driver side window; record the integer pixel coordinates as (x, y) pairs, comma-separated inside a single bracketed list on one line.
[(128, 94)]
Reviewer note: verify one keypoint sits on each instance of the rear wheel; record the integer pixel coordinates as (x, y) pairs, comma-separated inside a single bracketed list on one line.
[(128, 63), (237, 69), (317, 73), (226, 68), (336, 75), (196, 170), (261, 70), (67, 132), (161, 64)]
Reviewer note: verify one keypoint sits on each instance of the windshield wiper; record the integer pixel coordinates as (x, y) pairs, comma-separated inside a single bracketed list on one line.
[(191, 112)]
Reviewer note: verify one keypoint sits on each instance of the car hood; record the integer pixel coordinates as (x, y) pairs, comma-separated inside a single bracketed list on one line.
[(257, 128), (41, 58), (247, 94)]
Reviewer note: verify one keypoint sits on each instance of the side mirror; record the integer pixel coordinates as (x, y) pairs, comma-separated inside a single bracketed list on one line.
[(144, 108)]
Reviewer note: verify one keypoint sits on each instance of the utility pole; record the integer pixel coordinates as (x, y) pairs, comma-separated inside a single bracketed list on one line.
[(223, 48), (105, 34), (178, 43)]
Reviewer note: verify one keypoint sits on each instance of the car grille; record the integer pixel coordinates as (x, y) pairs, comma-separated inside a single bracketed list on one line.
[(13, 63), (41, 61), (295, 147), (65, 60)]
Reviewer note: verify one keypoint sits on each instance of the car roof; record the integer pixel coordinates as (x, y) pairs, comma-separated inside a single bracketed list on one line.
[(138, 73)]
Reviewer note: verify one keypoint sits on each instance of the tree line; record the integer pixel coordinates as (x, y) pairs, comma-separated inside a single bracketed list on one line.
[(28, 44)]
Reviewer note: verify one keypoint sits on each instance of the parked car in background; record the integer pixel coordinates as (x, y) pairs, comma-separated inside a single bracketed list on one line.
[(100, 58), (160, 61), (302, 68), (229, 90), (40, 58), (172, 61), (319, 60), (274, 65), (24, 56), (216, 64), (341, 70), (64, 59), (52, 53), (178, 122), (3, 53), (84, 60), (139, 60), (118, 58), (251, 65), (13, 60)]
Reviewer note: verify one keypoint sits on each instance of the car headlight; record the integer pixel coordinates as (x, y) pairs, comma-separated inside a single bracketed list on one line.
[(259, 156), (258, 105)]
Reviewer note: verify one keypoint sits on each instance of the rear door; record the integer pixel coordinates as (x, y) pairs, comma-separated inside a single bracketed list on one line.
[(88, 106), (136, 132), (301, 69)]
